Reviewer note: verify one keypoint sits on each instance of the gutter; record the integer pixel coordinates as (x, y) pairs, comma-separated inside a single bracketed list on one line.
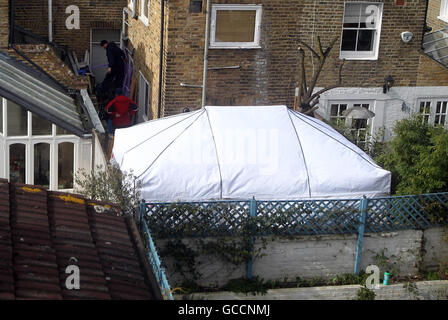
[(207, 36), (50, 21), (425, 26), (162, 36), (91, 112), (143, 258)]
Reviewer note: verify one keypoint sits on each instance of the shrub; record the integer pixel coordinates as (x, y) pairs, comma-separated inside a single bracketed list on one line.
[(417, 156), (109, 185)]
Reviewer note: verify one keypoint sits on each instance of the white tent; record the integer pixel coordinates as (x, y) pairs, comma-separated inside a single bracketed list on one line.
[(270, 153)]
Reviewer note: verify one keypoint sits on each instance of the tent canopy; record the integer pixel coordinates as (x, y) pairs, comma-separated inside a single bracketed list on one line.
[(270, 153)]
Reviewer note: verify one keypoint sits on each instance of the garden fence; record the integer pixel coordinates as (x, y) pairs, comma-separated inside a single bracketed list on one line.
[(296, 217)]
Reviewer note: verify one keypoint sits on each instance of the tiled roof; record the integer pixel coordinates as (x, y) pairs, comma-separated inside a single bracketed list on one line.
[(46, 58), (43, 232), (22, 85)]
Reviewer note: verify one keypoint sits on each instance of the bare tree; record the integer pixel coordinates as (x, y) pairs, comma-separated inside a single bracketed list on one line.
[(307, 100)]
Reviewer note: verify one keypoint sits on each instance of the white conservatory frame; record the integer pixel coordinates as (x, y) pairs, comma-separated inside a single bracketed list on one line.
[(82, 150)]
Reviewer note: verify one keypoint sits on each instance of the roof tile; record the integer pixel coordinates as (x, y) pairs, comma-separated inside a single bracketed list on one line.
[(43, 232)]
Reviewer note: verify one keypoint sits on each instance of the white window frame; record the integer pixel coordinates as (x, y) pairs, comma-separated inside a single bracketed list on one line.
[(443, 11), (29, 141), (363, 55), (131, 4), (350, 104), (143, 96), (236, 45), (124, 34), (142, 17), (432, 110), (339, 117)]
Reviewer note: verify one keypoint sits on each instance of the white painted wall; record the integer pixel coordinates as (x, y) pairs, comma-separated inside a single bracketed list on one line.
[(322, 256), (398, 103)]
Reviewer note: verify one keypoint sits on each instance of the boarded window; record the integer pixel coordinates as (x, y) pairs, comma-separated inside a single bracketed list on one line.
[(235, 25)]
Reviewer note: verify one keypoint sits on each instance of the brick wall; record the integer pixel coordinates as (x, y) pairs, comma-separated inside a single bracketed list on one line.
[(269, 75), (145, 39), (431, 73), (94, 14), (433, 12), (4, 23)]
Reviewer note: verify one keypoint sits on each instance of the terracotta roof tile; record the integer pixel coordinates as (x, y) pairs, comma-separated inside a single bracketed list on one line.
[(43, 232)]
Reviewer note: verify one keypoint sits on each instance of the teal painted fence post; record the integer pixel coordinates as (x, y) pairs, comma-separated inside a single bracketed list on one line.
[(253, 213), (361, 228)]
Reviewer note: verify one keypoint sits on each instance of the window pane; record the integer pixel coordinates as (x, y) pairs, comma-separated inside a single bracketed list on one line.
[(235, 25), (17, 163), (17, 120), (146, 98), (65, 165), (41, 126), (365, 40), (422, 107), (351, 15), (1, 115), (42, 164), (349, 40), (369, 17), (61, 131), (334, 110)]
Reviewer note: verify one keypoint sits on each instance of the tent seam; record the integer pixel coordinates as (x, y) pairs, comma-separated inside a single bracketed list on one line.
[(301, 150), (139, 144), (360, 155), (183, 131), (216, 150)]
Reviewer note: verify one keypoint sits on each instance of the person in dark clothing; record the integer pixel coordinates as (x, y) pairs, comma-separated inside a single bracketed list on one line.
[(116, 59), (120, 111)]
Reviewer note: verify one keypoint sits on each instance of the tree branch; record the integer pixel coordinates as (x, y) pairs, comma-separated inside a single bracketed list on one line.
[(333, 86), (309, 48), (310, 111)]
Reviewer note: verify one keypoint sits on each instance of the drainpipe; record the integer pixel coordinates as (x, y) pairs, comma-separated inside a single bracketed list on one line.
[(50, 21), (162, 36), (11, 22), (207, 40), (425, 25)]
